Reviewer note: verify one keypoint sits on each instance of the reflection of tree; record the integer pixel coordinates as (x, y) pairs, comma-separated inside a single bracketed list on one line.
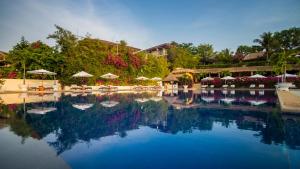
[(12, 115), (71, 125)]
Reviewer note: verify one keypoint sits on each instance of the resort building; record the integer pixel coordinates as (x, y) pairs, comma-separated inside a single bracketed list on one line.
[(159, 50), (3, 62)]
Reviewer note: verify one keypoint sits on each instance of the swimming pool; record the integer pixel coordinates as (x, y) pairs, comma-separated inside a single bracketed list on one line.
[(208, 129)]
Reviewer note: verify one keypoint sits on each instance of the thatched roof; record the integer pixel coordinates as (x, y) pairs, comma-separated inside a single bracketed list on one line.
[(2, 56), (170, 78), (254, 56)]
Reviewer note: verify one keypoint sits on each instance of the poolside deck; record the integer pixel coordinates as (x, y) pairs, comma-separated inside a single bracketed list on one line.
[(289, 101)]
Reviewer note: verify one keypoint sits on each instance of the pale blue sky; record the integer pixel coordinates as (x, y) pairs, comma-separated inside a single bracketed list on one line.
[(143, 23)]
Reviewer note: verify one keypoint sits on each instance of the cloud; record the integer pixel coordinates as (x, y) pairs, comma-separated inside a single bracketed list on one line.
[(102, 19)]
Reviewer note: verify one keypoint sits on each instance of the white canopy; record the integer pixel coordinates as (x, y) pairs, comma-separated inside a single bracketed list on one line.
[(41, 110), (82, 106), (41, 72), (156, 79), (257, 76), (109, 76), (208, 78), (142, 78), (228, 78), (287, 75), (82, 74), (109, 103)]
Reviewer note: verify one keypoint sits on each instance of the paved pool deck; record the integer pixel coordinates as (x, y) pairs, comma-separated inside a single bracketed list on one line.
[(289, 101)]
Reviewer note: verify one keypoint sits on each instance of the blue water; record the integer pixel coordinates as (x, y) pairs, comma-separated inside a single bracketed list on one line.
[(212, 129)]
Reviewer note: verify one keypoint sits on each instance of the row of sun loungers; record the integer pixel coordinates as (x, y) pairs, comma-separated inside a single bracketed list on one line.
[(233, 86)]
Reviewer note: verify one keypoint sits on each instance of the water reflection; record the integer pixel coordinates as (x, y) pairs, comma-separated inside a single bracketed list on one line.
[(83, 117)]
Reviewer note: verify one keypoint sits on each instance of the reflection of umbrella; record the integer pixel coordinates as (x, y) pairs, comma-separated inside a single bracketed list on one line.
[(256, 76), (41, 72), (109, 76), (142, 78), (142, 100), (41, 110), (228, 100), (208, 99), (156, 79), (287, 75), (109, 103), (156, 99), (82, 106), (256, 103)]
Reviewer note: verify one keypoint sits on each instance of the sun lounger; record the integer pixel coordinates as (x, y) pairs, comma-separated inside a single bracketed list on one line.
[(85, 87), (203, 86), (252, 86), (261, 86), (261, 92), (75, 87), (33, 87), (232, 86), (224, 86), (212, 86), (48, 87)]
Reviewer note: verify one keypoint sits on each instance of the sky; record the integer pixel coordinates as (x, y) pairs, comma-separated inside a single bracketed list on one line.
[(145, 23)]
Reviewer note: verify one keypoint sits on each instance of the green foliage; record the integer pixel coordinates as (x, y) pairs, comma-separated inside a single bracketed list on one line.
[(71, 55), (225, 56), (180, 57), (206, 53)]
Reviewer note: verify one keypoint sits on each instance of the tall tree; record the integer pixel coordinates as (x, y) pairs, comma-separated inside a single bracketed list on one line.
[(267, 42), (205, 52)]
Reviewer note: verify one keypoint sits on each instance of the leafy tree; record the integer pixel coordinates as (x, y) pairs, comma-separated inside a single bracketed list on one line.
[(288, 39), (205, 52), (182, 58), (225, 56), (267, 42)]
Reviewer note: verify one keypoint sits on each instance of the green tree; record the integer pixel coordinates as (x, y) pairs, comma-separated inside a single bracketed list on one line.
[(182, 58), (267, 42), (205, 52), (225, 56)]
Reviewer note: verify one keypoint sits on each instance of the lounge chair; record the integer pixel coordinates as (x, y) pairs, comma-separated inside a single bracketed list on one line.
[(224, 86), (48, 87), (212, 86), (85, 87), (261, 92), (232, 86), (204, 86), (261, 86), (75, 87), (33, 87), (224, 92), (252, 86)]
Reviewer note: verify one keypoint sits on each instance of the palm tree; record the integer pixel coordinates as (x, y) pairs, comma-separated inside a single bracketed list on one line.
[(266, 41)]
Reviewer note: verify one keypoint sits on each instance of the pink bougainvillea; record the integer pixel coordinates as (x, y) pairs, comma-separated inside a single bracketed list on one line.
[(116, 61), (12, 75)]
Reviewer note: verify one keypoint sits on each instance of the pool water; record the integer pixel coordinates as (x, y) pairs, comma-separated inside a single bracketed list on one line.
[(208, 129)]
